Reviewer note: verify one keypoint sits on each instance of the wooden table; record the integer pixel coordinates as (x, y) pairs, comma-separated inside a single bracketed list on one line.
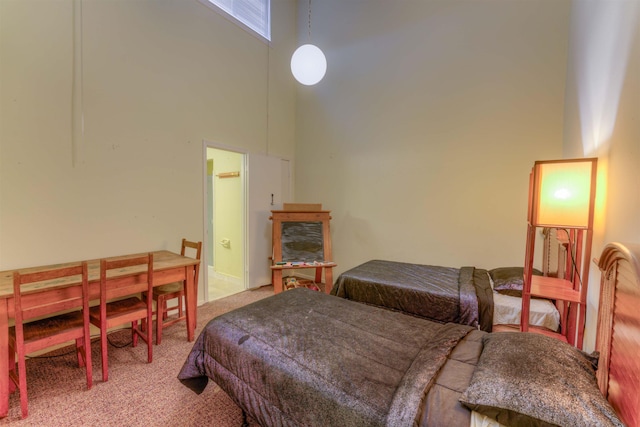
[(168, 267)]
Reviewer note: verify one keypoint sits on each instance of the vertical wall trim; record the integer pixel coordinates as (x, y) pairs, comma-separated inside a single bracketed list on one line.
[(77, 110)]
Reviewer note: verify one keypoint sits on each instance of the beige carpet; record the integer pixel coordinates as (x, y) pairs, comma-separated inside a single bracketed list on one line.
[(137, 393)]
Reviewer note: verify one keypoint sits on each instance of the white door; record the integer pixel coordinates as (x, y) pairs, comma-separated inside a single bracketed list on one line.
[(268, 188)]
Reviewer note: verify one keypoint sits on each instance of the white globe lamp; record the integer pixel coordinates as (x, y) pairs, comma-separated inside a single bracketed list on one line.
[(308, 64)]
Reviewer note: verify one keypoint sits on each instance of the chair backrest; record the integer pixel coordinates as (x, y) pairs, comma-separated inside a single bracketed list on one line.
[(72, 291), (123, 272), (197, 247)]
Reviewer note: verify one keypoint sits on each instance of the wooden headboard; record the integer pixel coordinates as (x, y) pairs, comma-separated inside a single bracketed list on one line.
[(618, 337)]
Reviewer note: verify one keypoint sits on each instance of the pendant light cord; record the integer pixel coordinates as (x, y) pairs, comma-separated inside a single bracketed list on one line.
[(309, 20)]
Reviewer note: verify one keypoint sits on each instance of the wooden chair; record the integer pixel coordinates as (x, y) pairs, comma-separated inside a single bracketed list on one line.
[(119, 312), (26, 337), (162, 294)]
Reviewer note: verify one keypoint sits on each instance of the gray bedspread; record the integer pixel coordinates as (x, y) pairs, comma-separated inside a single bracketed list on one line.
[(305, 358), (443, 294)]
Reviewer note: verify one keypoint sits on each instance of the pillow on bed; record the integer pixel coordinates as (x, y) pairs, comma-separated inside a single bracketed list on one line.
[(509, 280), (527, 379)]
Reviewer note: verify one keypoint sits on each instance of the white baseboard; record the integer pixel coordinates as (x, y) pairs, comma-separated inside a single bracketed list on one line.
[(227, 279)]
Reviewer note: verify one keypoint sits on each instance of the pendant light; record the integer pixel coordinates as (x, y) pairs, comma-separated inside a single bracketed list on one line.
[(308, 63)]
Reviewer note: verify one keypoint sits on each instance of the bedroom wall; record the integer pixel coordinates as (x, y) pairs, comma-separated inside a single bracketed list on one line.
[(159, 77), (602, 119), (421, 136)]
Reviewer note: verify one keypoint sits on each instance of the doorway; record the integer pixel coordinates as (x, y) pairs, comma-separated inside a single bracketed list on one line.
[(225, 210), (241, 190)]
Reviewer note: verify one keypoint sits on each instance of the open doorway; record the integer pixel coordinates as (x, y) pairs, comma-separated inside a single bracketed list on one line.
[(241, 189), (225, 210)]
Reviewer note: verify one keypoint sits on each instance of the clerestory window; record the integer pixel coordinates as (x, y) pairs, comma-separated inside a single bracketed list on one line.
[(254, 15)]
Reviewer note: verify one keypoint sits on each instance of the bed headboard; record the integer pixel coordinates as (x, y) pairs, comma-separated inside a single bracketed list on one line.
[(618, 336)]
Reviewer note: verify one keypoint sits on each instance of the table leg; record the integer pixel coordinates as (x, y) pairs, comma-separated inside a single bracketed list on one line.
[(191, 297), (4, 358)]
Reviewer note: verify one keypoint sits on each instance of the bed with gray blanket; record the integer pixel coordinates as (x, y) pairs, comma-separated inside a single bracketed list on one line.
[(443, 294), (303, 358)]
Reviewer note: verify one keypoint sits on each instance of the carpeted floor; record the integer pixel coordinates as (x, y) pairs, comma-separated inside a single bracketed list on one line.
[(137, 393)]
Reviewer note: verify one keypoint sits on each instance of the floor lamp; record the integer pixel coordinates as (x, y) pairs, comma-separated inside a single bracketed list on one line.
[(562, 196)]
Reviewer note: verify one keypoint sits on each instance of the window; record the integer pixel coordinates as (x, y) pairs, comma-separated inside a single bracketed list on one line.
[(253, 14)]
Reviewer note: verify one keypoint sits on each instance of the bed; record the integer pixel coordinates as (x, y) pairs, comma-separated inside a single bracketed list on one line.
[(467, 295), (305, 358)]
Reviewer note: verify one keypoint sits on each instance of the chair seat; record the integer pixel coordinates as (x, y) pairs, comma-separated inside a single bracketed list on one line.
[(51, 326), (169, 288), (116, 308)]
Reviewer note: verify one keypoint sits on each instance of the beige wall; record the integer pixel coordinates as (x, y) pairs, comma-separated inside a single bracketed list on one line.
[(602, 119), (159, 77), (422, 134)]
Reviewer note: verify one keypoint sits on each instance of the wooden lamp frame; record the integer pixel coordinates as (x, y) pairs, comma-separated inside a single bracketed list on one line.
[(569, 291)]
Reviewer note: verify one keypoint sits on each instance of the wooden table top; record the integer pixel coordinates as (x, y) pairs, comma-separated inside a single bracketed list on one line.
[(162, 260)]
